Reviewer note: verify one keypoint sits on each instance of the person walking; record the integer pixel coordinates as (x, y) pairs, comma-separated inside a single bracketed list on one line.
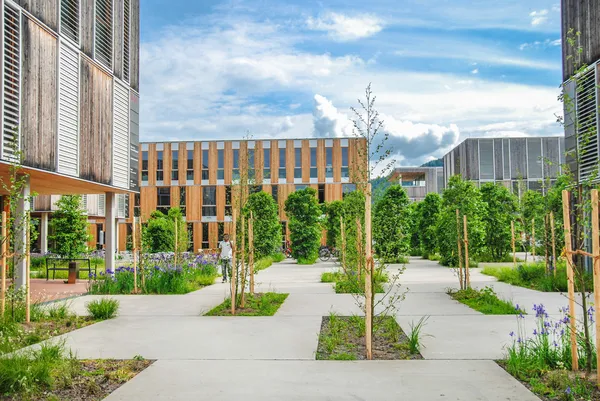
[(226, 247)]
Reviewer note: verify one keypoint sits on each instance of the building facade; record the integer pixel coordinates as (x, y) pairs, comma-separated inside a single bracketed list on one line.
[(517, 163), (70, 99), (198, 177), (419, 181)]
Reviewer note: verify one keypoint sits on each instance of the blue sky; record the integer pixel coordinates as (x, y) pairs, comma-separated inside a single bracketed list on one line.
[(442, 70)]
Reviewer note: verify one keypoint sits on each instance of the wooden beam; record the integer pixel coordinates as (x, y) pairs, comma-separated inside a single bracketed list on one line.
[(466, 239), (554, 261), (368, 277), (596, 259), (514, 251), (459, 244), (233, 276)]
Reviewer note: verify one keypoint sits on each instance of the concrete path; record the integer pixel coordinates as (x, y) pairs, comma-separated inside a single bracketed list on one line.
[(272, 358)]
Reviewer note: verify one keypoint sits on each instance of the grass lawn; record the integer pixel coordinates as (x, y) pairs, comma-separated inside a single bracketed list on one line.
[(261, 304), (267, 261), (485, 301), (345, 284), (343, 338)]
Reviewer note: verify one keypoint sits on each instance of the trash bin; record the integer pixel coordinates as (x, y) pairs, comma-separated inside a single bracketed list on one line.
[(73, 270)]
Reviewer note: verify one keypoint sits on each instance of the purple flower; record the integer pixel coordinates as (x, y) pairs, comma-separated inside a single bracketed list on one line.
[(512, 333), (568, 391)]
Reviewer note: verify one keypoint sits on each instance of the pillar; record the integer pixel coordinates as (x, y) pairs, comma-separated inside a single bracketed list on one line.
[(110, 228), (20, 230), (44, 234)]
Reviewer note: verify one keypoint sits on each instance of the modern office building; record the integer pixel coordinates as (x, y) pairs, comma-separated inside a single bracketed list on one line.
[(508, 161), (70, 101), (419, 181), (198, 177), (581, 95)]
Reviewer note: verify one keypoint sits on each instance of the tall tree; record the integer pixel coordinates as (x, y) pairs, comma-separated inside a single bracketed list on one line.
[(501, 210), (267, 229), (429, 214), (333, 211), (533, 210), (304, 216), (391, 224), (69, 227)]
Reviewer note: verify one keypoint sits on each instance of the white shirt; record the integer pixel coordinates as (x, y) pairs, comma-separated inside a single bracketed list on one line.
[(226, 249)]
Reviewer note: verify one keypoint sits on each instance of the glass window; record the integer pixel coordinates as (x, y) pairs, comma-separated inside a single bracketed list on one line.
[(282, 173), (275, 193), (136, 206), (220, 231), (205, 242), (328, 162), (175, 165), (313, 163), (347, 188), (145, 165), (190, 165), (163, 201), (205, 163), (345, 172), (220, 164), (300, 187), (267, 163), (321, 193), (209, 201), (182, 200), (298, 163), (190, 230), (236, 164), (255, 189), (159, 165), (251, 164), (486, 159), (228, 200)]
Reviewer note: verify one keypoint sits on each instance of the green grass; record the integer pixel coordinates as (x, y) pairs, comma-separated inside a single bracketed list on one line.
[(485, 301), (347, 284), (262, 304), (533, 275), (103, 309), (307, 261), (267, 261)]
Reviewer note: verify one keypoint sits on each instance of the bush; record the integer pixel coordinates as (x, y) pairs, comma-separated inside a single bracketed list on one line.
[(304, 214), (485, 301), (103, 309), (350, 284), (69, 227), (267, 229), (391, 231), (267, 261)]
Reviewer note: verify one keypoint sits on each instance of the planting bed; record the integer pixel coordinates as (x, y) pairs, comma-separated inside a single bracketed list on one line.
[(262, 304)]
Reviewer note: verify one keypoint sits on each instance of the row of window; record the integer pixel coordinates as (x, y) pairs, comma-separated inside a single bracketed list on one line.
[(250, 162)]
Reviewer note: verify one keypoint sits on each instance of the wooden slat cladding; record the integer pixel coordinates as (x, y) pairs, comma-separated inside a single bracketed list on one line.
[(228, 162), (167, 158), (38, 104), (582, 16), (122, 236), (175, 193), (119, 10), (87, 27), (147, 201), (274, 162), (152, 164), (258, 162), (337, 161), (182, 163), (289, 162), (96, 124), (135, 45), (197, 163), (44, 10), (42, 203), (321, 160)]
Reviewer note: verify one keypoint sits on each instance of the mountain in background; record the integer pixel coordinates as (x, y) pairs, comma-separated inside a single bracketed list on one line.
[(434, 163)]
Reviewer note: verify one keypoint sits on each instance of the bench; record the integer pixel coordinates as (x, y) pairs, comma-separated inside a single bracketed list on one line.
[(54, 269)]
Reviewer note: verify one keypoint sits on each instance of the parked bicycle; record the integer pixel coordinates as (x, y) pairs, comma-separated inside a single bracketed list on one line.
[(287, 250), (325, 253)]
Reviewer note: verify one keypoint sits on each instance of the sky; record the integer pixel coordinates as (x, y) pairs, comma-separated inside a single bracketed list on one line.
[(442, 70)]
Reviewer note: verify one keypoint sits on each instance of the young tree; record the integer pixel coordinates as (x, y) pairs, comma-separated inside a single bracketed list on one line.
[(267, 229), (466, 197), (69, 227), (501, 210), (533, 210), (333, 211), (158, 235), (430, 212), (414, 217), (354, 218), (391, 231), (304, 216)]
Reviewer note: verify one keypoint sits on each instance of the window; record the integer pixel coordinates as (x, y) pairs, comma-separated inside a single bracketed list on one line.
[(205, 243), (321, 193), (345, 172), (347, 188), (220, 231), (126, 199), (300, 187), (205, 165), (103, 40), (329, 162), (254, 189), (220, 164), (235, 175), (190, 230), (209, 201), (298, 163), (69, 19), (175, 165), (137, 212), (182, 200), (228, 200), (163, 202), (275, 193), (266, 164), (190, 165), (159, 165), (251, 164), (313, 163), (282, 163), (486, 159), (145, 166)]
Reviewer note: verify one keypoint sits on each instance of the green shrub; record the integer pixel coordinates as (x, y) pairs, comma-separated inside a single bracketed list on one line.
[(307, 261), (391, 224), (103, 309), (485, 301), (261, 304), (331, 277), (304, 214), (267, 229), (278, 257)]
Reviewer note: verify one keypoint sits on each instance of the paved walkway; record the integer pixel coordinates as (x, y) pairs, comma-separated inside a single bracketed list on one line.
[(272, 358)]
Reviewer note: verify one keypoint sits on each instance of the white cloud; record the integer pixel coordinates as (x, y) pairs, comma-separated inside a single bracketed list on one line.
[(475, 71), (540, 45), (556, 8), (538, 17), (344, 28)]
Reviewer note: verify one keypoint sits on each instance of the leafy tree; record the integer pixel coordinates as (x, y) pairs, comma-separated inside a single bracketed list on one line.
[(69, 227), (304, 216), (414, 213), (267, 230), (354, 211), (159, 233), (501, 209), (333, 211), (554, 201), (426, 225), (391, 224), (466, 197), (533, 208)]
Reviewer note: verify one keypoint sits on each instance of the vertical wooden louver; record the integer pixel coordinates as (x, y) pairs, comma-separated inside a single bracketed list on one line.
[(69, 19), (11, 82), (68, 111), (103, 41), (587, 123), (126, 39)]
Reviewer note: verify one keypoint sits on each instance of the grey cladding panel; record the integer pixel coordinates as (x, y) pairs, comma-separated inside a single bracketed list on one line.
[(551, 157), (87, 27), (135, 45), (44, 10), (581, 16), (472, 160), (518, 158), (498, 159), (118, 6)]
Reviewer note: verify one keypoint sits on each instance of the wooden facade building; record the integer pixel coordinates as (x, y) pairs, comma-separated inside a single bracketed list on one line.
[(419, 181)]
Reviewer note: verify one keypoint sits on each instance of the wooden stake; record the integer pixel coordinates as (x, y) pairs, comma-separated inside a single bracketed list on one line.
[(27, 270), (533, 239), (571, 284), (514, 251), (466, 240), (243, 263), (554, 261), (368, 277), (596, 259), (251, 251), (3, 274), (134, 240), (176, 241), (458, 242), (141, 251), (233, 276), (343, 238)]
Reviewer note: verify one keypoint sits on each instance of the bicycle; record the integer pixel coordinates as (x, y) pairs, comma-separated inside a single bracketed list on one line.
[(325, 253), (286, 250)]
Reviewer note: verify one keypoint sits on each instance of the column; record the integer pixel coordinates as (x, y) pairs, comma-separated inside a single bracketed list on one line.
[(44, 234), (110, 228), (20, 230)]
